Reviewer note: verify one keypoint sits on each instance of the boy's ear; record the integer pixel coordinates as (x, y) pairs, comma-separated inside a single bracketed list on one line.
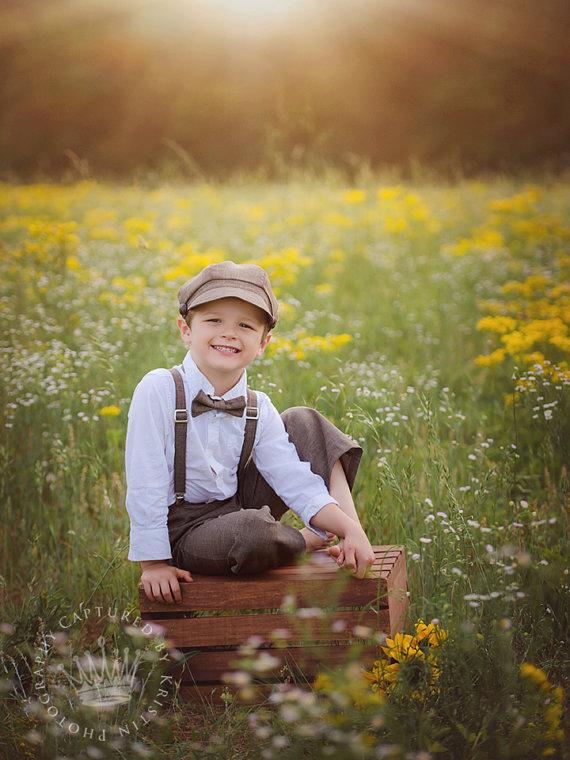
[(264, 343), (184, 333)]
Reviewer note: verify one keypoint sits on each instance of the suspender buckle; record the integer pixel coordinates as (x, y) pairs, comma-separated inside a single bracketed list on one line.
[(179, 498), (255, 410), (178, 412)]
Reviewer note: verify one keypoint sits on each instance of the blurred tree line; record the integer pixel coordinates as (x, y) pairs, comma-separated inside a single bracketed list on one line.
[(201, 88)]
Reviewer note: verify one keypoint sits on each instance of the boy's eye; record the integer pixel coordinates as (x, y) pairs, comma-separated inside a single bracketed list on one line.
[(242, 324)]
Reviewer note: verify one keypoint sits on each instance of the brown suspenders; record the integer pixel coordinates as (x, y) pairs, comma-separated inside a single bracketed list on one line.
[(181, 421)]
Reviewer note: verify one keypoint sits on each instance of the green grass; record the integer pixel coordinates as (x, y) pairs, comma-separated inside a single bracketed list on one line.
[(436, 433)]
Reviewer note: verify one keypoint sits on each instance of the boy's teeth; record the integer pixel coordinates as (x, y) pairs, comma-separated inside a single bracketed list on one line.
[(226, 350)]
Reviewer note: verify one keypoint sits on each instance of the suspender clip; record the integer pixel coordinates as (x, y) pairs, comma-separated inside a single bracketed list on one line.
[(183, 412), (255, 410)]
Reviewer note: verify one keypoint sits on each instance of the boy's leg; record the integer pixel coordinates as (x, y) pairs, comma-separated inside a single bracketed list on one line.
[(318, 442), (222, 538)]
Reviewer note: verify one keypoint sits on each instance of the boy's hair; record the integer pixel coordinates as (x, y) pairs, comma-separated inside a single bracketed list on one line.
[(191, 312)]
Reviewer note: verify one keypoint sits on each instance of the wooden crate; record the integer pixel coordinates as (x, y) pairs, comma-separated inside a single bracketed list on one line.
[(218, 614)]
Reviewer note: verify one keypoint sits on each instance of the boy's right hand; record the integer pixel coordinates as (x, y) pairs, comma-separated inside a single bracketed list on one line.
[(161, 582)]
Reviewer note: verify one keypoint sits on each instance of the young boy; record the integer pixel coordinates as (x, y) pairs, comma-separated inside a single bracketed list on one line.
[(217, 510)]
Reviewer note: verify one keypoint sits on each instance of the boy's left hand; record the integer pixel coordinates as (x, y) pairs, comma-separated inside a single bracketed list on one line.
[(361, 554)]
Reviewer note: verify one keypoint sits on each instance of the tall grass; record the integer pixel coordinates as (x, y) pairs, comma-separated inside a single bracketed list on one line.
[(475, 488)]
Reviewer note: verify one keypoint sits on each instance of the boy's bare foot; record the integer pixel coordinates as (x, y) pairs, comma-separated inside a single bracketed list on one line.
[(314, 542)]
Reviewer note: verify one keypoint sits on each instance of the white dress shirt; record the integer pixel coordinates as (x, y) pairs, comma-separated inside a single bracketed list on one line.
[(213, 447)]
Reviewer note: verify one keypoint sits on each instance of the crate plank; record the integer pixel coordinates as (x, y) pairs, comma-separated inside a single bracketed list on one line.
[(236, 629), (208, 595), (210, 667), (398, 601), (307, 582)]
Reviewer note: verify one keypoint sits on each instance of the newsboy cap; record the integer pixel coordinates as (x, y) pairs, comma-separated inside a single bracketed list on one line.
[(246, 281)]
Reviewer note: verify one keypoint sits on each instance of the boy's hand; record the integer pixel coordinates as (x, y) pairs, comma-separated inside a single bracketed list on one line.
[(313, 542), (354, 552), (161, 582)]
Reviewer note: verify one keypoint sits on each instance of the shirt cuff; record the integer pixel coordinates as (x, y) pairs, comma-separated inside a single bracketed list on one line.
[(309, 512), (149, 543)]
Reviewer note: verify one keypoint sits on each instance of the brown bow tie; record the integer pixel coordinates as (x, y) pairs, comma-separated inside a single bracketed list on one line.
[(203, 403)]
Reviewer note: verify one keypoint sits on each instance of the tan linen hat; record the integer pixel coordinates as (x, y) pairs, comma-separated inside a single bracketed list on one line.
[(246, 281)]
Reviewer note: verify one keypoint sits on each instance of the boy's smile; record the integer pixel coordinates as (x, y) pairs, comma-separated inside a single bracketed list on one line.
[(225, 336)]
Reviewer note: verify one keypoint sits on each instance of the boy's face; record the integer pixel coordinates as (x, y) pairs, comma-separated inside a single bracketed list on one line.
[(230, 323)]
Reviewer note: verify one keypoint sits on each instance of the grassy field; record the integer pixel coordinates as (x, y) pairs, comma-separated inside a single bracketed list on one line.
[(430, 322)]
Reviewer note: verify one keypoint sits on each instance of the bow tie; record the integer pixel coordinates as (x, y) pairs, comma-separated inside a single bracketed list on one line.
[(203, 403)]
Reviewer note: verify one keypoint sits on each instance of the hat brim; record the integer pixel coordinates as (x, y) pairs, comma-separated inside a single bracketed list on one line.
[(227, 291)]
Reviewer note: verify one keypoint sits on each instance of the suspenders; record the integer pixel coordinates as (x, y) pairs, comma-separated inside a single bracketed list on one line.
[(181, 421)]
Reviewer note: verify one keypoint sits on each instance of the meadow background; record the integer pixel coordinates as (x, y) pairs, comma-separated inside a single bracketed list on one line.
[(424, 308)]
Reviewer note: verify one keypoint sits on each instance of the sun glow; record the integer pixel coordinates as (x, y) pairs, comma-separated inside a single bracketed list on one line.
[(259, 11)]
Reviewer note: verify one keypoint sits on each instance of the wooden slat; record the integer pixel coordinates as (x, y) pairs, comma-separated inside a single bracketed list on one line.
[(322, 560), (210, 666), (398, 601), (312, 584), (210, 595), (236, 629)]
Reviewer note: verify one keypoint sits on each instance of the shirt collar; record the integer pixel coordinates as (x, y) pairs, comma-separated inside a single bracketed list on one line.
[(199, 381)]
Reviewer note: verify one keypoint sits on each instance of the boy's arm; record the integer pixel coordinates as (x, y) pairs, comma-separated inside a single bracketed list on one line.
[(331, 517), (277, 459), (148, 482), (356, 553), (146, 470)]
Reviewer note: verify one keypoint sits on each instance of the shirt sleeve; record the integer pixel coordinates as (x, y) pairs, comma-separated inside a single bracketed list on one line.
[(277, 460), (147, 471)]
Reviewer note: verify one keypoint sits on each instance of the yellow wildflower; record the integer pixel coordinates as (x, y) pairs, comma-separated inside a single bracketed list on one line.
[(109, 411), (72, 263), (536, 357), (488, 360), (561, 341), (534, 674), (109, 234), (519, 203), (432, 632), (527, 288), (497, 324), (323, 682), (354, 196), (389, 193), (137, 225), (402, 647)]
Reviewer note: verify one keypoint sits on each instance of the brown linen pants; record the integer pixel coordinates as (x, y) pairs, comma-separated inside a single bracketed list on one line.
[(242, 534)]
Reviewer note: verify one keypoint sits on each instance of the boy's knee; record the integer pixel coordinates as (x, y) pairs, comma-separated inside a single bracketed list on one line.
[(300, 414), (296, 410), (256, 529), (255, 519), (303, 421), (253, 547), (261, 543)]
